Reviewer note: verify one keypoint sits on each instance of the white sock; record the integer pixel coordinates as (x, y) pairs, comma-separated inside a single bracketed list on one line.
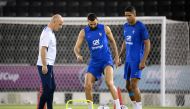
[(90, 105), (134, 104), (117, 104), (139, 105)]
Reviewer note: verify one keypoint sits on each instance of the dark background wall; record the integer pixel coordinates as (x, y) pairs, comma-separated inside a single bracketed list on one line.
[(173, 9)]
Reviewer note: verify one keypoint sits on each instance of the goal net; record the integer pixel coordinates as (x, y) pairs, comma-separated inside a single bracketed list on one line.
[(164, 80)]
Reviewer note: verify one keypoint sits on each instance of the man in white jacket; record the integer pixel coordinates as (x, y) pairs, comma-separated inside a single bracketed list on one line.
[(46, 59)]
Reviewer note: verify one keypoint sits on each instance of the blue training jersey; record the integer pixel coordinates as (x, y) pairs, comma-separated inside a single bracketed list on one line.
[(134, 36), (98, 43)]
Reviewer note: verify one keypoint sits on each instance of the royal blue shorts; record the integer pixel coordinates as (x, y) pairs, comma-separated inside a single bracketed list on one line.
[(132, 70), (97, 68)]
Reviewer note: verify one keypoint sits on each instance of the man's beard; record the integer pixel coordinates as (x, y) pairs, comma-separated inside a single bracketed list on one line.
[(93, 28)]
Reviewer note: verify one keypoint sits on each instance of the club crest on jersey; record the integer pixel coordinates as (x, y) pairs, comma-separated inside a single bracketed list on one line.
[(133, 31), (100, 34)]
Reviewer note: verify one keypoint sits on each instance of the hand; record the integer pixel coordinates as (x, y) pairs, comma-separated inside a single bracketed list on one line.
[(120, 62), (117, 61), (79, 58), (142, 65), (44, 69)]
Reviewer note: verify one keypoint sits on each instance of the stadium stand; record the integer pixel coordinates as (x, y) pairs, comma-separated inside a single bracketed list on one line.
[(76, 8)]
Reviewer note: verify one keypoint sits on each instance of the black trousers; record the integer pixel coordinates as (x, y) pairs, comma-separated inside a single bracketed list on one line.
[(48, 85)]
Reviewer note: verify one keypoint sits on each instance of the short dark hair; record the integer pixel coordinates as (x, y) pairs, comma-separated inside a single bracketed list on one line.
[(91, 16), (130, 9)]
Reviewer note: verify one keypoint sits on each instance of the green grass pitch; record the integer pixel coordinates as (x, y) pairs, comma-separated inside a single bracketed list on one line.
[(77, 107)]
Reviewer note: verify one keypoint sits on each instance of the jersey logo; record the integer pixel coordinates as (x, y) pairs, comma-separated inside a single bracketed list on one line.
[(128, 38), (136, 73), (96, 45), (96, 42), (100, 34)]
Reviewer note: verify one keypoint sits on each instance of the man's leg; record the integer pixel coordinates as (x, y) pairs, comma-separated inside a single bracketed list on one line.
[(136, 74), (136, 91), (89, 81), (131, 93), (52, 87), (108, 71), (43, 97), (50, 100)]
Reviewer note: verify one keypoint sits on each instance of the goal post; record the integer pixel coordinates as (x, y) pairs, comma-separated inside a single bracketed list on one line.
[(163, 65)]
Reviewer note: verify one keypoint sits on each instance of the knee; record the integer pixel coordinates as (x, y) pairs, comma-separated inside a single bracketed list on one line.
[(88, 86)]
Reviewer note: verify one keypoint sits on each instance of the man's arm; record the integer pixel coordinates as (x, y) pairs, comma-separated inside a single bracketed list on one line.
[(146, 53), (43, 55), (122, 50), (78, 45), (43, 59), (113, 44)]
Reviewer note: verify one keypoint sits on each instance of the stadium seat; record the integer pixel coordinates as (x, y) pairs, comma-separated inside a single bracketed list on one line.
[(22, 8), (35, 3), (35, 9), (84, 14), (10, 9), (164, 6), (100, 14), (152, 13), (35, 14), (168, 14), (121, 7), (139, 5), (111, 5), (151, 7), (111, 8), (60, 7), (178, 6), (11, 3), (22, 14), (109, 14), (98, 6), (73, 14), (179, 15), (10, 14), (61, 4), (22, 11), (73, 8), (85, 7), (140, 14), (23, 3), (47, 9), (48, 3)]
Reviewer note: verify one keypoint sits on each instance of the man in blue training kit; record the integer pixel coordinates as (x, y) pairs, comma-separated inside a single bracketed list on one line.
[(97, 36), (137, 46), (46, 59)]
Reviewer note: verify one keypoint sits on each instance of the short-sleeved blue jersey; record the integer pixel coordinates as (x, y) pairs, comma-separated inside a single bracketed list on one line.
[(134, 36), (98, 44)]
